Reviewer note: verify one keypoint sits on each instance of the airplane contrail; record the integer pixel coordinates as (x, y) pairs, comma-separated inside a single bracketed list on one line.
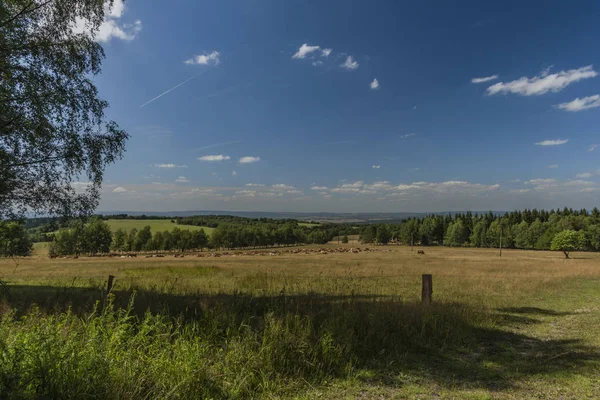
[(170, 90)]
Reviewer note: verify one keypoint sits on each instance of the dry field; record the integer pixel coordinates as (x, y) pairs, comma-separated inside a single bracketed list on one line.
[(528, 321)]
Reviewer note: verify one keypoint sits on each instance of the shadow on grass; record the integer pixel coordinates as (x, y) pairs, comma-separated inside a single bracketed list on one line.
[(386, 339)]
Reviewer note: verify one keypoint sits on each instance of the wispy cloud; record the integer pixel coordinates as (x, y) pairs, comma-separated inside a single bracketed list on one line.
[(212, 146), (376, 166), (182, 179), (540, 181), (553, 166), (350, 64), (585, 175), (578, 104), (406, 136), (543, 83), (375, 84), (306, 49), (593, 147), (484, 79), (249, 159), (218, 157), (255, 184), (169, 90), (233, 173), (169, 166), (119, 189), (319, 188), (555, 142), (213, 58), (325, 52), (281, 186)]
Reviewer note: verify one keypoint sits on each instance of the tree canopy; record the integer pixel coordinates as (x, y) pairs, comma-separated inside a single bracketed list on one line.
[(53, 128)]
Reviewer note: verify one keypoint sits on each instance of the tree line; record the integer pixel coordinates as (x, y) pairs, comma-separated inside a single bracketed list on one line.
[(526, 229)]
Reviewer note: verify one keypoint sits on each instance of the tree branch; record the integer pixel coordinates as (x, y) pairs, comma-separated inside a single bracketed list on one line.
[(25, 11)]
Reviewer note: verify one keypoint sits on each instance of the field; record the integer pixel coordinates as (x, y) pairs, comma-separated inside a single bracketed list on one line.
[(326, 324), (155, 225)]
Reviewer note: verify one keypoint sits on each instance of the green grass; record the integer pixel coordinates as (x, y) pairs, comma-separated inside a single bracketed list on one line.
[(336, 325), (155, 225)]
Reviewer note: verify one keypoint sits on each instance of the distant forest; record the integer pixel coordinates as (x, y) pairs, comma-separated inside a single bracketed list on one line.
[(526, 229)]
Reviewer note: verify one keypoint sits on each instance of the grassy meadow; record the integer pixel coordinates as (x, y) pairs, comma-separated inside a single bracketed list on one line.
[(155, 225), (318, 325)]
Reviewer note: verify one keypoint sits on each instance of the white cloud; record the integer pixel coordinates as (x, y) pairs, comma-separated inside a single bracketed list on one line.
[(593, 147), (579, 182), (213, 58), (375, 84), (169, 166), (218, 157), (233, 173), (590, 190), (555, 142), (553, 166), (293, 191), (325, 52), (520, 191), (182, 179), (543, 83), (304, 50), (317, 63), (350, 64), (319, 188), (407, 135), (110, 28), (585, 175), (281, 186), (119, 189), (540, 181), (249, 159), (578, 104), (376, 166), (254, 184), (484, 79)]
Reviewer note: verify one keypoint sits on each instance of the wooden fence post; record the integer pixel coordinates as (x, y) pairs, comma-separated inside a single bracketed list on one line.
[(427, 289), (109, 285)]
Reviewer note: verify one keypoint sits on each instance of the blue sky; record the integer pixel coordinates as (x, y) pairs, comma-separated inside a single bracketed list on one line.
[(369, 106)]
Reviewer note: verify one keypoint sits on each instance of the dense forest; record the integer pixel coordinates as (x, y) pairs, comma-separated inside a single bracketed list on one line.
[(526, 229)]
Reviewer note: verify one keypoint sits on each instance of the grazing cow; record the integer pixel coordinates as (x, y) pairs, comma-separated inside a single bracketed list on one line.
[(420, 252)]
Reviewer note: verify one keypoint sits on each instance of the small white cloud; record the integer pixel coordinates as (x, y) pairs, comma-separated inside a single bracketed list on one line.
[(350, 64), (593, 147), (578, 104), (585, 175), (376, 166), (110, 28), (281, 186), (484, 79), (540, 181), (233, 173), (213, 58), (169, 166), (553, 166), (319, 188), (119, 189), (375, 84), (304, 50), (293, 191), (543, 83), (182, 179), (414, 107), (317, 63), (218, 157), (520, 191), (325, 52), (255, 184), (407, 135), (555, 142), (249, 159), (589, 190)]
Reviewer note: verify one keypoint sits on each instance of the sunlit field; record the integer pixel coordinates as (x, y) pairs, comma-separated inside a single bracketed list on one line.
[(304, 323)]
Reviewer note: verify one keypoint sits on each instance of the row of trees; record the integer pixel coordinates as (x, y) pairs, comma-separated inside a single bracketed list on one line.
[(14, 240), (514, 230), (96, 237)]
